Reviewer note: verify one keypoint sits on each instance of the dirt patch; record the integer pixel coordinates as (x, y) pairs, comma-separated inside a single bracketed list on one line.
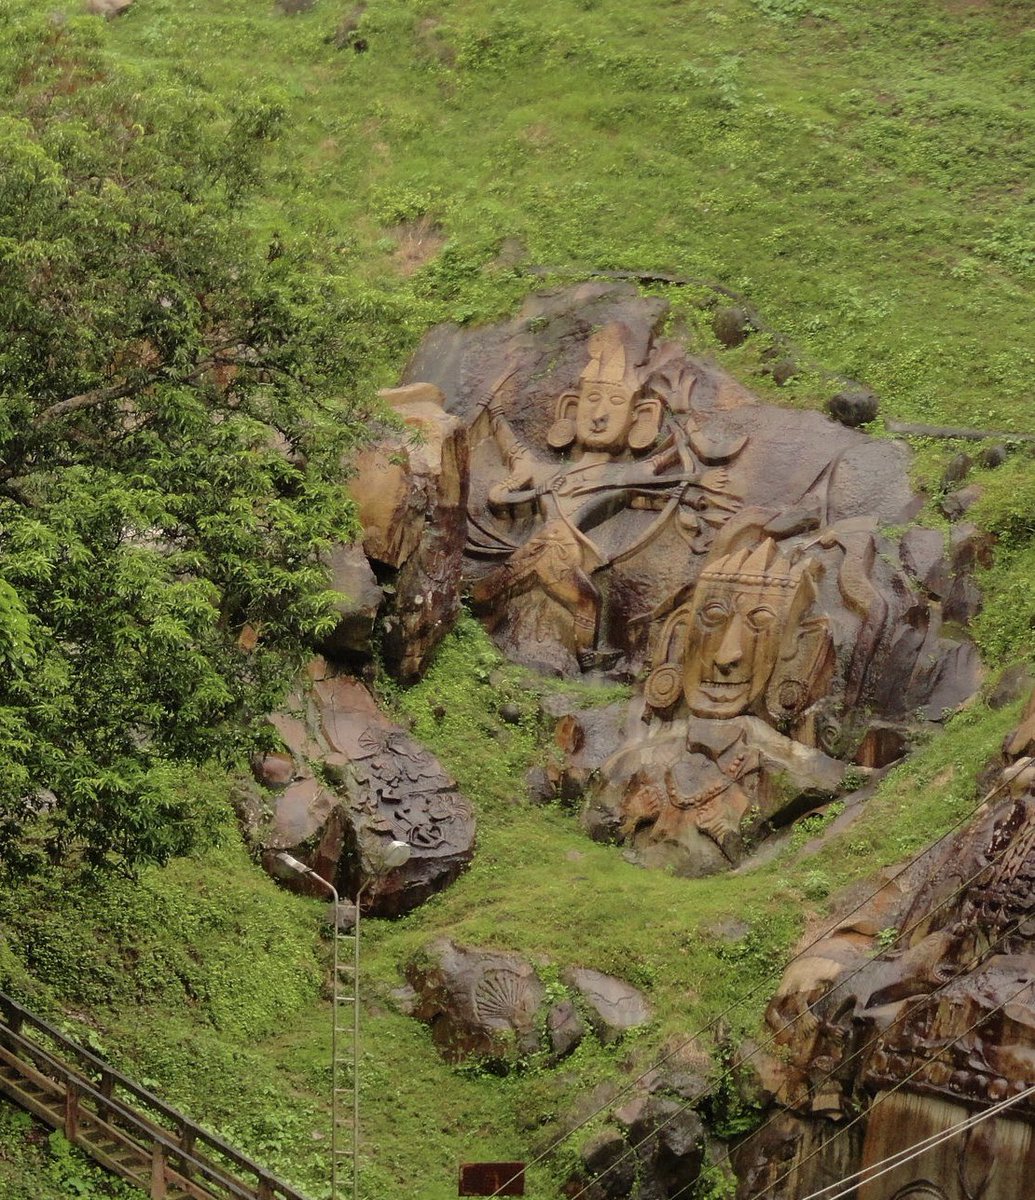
[(432, 44), (416, 242)]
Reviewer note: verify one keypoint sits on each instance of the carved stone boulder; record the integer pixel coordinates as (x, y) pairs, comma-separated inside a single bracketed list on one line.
[(348, 781), (925, 1032), (493, 1006), (411, 489), (479, 1004)]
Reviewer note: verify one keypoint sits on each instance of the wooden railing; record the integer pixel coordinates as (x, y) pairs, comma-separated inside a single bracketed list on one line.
[(122, 1125)]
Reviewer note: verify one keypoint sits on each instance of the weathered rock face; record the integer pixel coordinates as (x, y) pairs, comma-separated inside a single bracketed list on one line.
[(928, 1032), (411, 490), (347, 782), (634, 509), (360, 598), (493, 1007), (654, 1143), (605, 461), (613, 1007)]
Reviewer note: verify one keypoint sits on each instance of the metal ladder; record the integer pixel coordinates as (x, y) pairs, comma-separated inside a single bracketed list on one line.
[(345, 1058)]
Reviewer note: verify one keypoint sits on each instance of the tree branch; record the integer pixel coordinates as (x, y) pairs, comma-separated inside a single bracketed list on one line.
[(84, 400)]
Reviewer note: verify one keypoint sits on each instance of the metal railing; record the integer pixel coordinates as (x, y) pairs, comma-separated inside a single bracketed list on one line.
[(121, 1124)]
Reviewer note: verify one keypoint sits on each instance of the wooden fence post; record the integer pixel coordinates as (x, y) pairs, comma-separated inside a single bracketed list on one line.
[(158, 1172), (71, 1112)]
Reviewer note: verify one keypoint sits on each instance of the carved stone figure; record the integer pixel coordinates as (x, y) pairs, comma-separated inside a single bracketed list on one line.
[(611, 416), (930, 1030), (747, 642), (635, 510)]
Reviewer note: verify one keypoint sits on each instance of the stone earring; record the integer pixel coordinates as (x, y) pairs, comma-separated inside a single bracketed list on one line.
[(562, 433)]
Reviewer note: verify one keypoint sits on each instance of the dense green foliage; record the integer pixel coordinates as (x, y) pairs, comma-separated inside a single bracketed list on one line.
[(171, 445)]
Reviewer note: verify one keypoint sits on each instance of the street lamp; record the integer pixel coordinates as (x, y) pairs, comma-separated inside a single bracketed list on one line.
[(386, 857)]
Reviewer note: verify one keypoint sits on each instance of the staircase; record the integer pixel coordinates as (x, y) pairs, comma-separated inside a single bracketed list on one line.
[(120, 1124)]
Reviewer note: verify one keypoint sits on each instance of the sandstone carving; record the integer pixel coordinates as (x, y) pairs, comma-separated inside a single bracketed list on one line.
[(634, 510), (479, 1004), (411, 490), (943, 1020), (613, 416), (801, 649), (493, 1006), (348, 781)]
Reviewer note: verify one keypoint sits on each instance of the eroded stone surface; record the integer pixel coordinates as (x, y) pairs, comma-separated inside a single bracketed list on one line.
[(943, 1018), (360, 597), (613, 1007), (491, 1005), (411, 490)]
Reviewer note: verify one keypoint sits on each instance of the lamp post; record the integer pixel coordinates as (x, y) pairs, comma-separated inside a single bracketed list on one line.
[(390, 856)]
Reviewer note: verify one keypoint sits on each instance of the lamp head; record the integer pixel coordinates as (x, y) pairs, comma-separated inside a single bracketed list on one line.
[(394, 854), (291, 864)]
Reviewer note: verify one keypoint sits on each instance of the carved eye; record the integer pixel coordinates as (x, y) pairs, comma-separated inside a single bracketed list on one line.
[(714, 613), (593, 397), (618, 399), (760, 618)]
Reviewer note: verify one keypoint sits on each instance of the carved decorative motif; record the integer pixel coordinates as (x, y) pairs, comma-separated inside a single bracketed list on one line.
[(944, 1019)]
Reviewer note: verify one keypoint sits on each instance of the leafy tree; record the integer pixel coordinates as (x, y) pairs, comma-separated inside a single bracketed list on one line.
[(171, 440)]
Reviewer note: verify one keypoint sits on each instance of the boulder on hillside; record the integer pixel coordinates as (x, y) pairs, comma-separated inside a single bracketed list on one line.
[(107, 8), (348, 781), (613, 1007), (480, 1004)]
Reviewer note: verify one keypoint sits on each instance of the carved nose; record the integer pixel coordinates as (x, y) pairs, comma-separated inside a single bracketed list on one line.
[(731, 651)]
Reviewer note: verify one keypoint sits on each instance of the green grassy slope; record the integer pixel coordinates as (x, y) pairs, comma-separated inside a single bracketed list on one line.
[(861, 174)]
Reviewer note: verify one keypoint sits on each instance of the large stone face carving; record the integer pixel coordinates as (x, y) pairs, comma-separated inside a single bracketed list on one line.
[(801, 651), (747, 617), (930, 1031)]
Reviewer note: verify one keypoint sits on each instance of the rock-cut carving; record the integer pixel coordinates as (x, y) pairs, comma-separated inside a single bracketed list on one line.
[(936, 1026), (607, 423), (503, 995), (745, 642), (796, 636), (634, 509)]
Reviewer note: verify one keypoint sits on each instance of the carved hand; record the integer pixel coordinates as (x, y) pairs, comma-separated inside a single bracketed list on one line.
[(715, 480)]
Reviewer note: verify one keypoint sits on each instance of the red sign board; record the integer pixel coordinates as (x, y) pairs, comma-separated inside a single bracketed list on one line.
[(492, 1179)]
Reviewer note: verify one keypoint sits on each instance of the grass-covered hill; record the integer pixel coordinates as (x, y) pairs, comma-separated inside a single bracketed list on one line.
[(859, 175)]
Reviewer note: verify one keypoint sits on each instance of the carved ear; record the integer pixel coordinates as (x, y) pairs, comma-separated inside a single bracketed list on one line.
[(805, 659), (562, 431), (648, 422), (664, 686)]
